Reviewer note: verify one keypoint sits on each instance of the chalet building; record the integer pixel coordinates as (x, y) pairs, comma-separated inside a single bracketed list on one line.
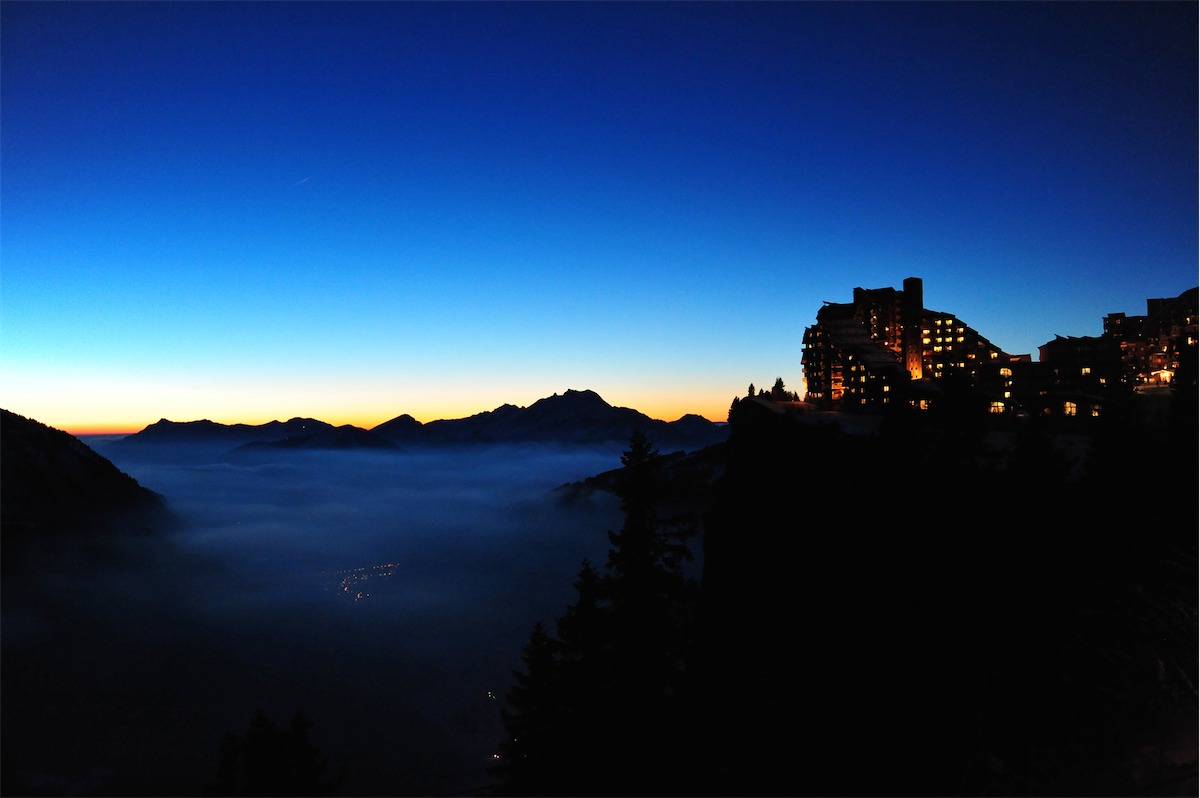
[(885, 348)]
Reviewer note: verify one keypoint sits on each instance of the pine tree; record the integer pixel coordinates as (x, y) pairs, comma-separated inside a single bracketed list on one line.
[(591, 713), (532, 719), (583, 631), (653, 602)]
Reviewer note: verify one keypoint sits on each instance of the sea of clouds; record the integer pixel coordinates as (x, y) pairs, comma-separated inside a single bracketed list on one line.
[(385, 595)]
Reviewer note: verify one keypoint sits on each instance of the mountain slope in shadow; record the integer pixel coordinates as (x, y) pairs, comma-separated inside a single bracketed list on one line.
[(347, 436), (54, 486)]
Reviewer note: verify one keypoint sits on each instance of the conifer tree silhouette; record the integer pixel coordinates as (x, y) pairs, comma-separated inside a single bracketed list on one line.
[(533, 718), (592, 711)]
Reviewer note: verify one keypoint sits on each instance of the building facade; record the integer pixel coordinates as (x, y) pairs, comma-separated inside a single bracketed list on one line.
[(885, 348), (1154, 348)]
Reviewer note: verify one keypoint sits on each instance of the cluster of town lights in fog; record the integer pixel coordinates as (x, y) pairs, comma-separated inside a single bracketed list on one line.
[(350, 582)]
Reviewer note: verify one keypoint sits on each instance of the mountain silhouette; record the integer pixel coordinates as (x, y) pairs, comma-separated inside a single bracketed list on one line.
[(53, 484), (403, 427), (573, 417), (346, 436), (233, 435), (577, 417)]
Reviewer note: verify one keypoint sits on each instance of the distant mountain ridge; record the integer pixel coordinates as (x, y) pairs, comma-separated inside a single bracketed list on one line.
[(573, 417), (570, 417), (346, 436), (205, 431)]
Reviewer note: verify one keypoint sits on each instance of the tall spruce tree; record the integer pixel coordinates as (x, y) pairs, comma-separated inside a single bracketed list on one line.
[(592, 711), (533, 719), (649, 592)]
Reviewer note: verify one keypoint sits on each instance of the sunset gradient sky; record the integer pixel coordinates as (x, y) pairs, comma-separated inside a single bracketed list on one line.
[(248, 211)]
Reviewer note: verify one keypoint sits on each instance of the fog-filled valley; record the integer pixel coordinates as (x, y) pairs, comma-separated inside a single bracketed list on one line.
[(384, 595), (397, 600)]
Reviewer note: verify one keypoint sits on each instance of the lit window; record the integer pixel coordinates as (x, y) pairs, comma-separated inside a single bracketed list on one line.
[(925, 340), (887, 388), (1006, 372), (960, 338), (1085, 370), (996, 407), (937, 349), (1095, 411), (1069, 408)]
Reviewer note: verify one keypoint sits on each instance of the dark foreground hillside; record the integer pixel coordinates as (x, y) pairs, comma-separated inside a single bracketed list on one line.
[(934, 609), (925, 618), (54, 486), (920, 609)]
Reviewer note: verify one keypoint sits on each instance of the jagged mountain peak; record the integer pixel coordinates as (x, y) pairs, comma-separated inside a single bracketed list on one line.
[(574, 416), (572, 395), (570, 402)]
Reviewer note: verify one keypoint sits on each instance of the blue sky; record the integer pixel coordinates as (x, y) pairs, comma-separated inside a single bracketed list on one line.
[(246, 211)]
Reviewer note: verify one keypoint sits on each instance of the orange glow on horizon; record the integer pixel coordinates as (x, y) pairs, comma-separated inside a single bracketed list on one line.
[(112, 413), (664, 410), (95, 429)]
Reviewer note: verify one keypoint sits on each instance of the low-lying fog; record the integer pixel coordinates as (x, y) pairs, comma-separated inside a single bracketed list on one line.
[(387, 596)]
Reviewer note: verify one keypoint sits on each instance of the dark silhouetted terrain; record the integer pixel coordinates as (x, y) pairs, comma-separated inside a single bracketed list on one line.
[(55, 485), (933, 608), (572, 418), (581, 417), (920, 605), (205, 431), (344, 437)]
